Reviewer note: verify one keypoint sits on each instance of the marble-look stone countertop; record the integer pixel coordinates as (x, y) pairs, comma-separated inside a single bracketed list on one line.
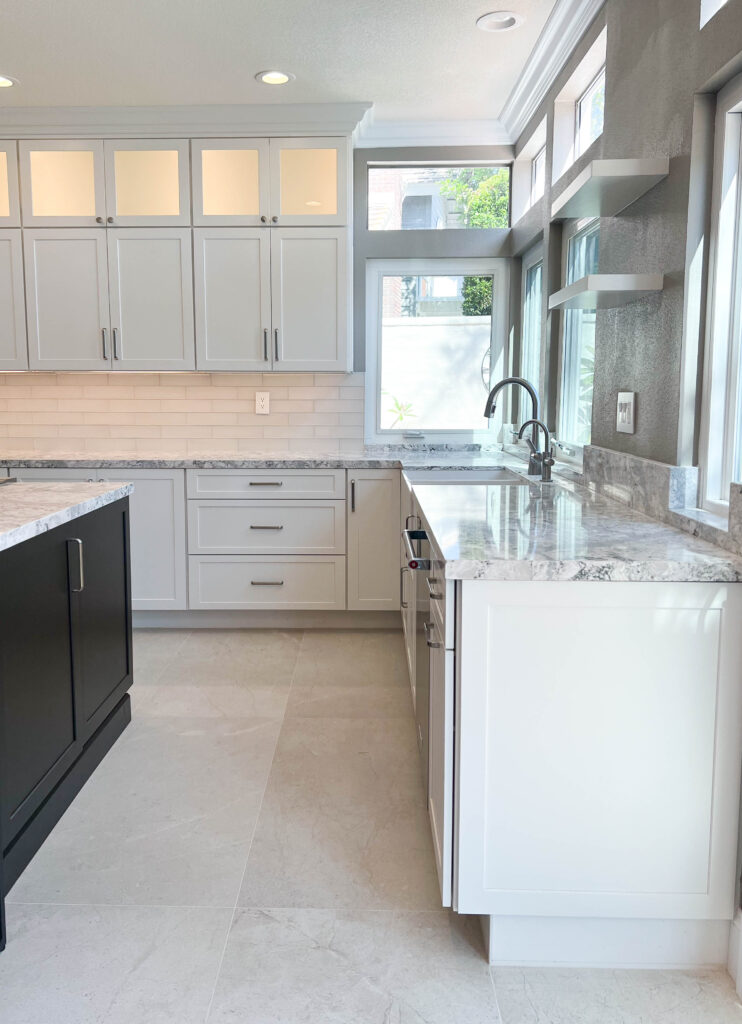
[(558, 531), (29, 509)]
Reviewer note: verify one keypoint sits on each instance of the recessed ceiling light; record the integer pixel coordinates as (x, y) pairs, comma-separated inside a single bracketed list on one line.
[(274, 77), (500, 21), (6, 83)]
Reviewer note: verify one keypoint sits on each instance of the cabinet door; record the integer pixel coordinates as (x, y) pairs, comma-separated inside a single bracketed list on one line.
[(13, 350), (151, 288), (232, 295), (147, 182), (67, 299), (157, 525), (98, 554), (373, 539), (37, 709), (309, 293), (231, 181), (440, 764), (62, 183), (10, 210), (309, 182)]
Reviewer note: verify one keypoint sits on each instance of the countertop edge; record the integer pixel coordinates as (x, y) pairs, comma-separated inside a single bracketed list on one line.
[(42, 524)]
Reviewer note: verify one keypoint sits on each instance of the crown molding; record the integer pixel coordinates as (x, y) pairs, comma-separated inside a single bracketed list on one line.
[(391, 134), (241, 120), (567, 23)]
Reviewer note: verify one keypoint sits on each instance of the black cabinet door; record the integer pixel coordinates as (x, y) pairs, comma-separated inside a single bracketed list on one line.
[(39, 737), (101, 612)]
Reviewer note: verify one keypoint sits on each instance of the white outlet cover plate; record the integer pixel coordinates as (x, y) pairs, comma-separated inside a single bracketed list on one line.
[(626, 412), (262, 403)]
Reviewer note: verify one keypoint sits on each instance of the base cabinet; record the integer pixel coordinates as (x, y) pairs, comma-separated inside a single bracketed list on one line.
[(373, 539)]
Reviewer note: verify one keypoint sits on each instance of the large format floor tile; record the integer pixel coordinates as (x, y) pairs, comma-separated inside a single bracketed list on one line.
[(166, 819), (559, 996), (353, 967), (352, 658), (154, 649), (215, 657), (118, 965), (344, 821)]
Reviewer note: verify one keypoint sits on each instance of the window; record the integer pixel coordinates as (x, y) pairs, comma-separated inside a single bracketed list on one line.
[(589, 114), (435, 337), (578, 344), (709, 8), (530, 345), (721, 428), (538, 175), (428, 197)]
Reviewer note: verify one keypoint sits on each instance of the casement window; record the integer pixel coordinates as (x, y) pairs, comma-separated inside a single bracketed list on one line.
[(589, 111), (538, 175), (436, 335), (578, 345), (429, 196), (532, 285), (721, 425)]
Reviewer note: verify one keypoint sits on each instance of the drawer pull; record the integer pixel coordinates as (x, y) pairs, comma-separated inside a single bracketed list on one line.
[(428, 630), (434, 595), (265, 483), (266, 527), (266, 583)]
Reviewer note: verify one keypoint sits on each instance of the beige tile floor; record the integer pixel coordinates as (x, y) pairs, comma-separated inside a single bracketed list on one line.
[(255, 849)]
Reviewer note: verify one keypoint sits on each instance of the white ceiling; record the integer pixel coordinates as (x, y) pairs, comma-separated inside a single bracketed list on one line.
[(415, 61)]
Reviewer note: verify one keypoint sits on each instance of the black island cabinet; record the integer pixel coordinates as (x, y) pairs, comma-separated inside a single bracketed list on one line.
[(65, 669)]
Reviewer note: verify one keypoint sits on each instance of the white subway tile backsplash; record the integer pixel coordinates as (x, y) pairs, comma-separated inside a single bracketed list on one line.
[(181, 413)]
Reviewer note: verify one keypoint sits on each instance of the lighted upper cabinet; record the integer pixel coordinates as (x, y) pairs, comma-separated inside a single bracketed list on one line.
[(309, 182), (147, 182), (231, 182), (62, 183), (10, 213)]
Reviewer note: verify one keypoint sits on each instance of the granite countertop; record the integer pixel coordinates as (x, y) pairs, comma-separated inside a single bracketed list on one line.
[(558, 531), (29, 509)]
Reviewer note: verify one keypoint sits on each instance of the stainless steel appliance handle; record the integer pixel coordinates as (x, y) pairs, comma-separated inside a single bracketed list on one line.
[(266, 583), (266, 527), (434, 595), (402, 602), (80, 565), (428, 628), (413, 527)]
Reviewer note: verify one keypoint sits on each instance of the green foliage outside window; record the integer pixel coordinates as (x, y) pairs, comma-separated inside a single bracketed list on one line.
[(482, 193)]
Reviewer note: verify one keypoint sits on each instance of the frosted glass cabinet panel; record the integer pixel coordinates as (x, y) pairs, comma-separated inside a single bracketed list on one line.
[(230, 182), (62, 183), (147, 182), (10, 215), (309, 182)]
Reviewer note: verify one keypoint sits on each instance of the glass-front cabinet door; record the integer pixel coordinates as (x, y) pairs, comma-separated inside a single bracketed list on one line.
[(231, 182), (147, 182), (10, 213), (62, 183), (309, 182)]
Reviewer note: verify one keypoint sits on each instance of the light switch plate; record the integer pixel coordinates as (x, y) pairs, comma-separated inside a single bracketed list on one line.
[(262, 403), (626, 412)]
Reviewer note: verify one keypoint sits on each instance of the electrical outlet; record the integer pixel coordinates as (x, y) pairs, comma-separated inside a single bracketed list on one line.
[(262, 403), (626, 412)]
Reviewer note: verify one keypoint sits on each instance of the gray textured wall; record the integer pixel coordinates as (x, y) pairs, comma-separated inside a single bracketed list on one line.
[(656, 60)]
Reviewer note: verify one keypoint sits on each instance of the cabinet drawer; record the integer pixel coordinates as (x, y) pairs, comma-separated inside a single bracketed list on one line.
[(266, 483), (307, 582), (266, 527)]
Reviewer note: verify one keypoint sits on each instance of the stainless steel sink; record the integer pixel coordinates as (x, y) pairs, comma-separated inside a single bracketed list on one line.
[(495, 475)]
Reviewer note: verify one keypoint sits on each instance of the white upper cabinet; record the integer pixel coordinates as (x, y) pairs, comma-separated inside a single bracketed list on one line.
[(10, 211), (13, 353), (151, 296), (62, 183), (310, 299), (147, 182), (232, 298), (309, 182), (67, 299), (231, 182)]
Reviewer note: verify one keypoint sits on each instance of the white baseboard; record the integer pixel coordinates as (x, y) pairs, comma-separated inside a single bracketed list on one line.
[(266, 620), (734, 960), (596, 942)]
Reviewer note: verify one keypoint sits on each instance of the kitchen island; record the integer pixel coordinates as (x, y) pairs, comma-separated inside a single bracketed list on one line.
[(65, 652)]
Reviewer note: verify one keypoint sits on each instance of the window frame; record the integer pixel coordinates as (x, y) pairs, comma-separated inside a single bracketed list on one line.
[(530, 260), (533, 197), (578, 152), (376, 269), (721, 421)]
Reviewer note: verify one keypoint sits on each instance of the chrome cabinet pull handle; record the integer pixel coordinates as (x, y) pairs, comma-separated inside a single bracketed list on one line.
[(275, 220), (98, 220), (263, 220), (265, 483), (428, 629), (266, 527), (104, 336), (80, 565), (352, 495), (266, 583), (265, 344), (403, 603), (275, 335), (110, 220), (116, 343)]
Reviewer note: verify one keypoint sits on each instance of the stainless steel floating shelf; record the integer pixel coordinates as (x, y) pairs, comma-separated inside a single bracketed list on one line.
[(606, 187), (606, 291)]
